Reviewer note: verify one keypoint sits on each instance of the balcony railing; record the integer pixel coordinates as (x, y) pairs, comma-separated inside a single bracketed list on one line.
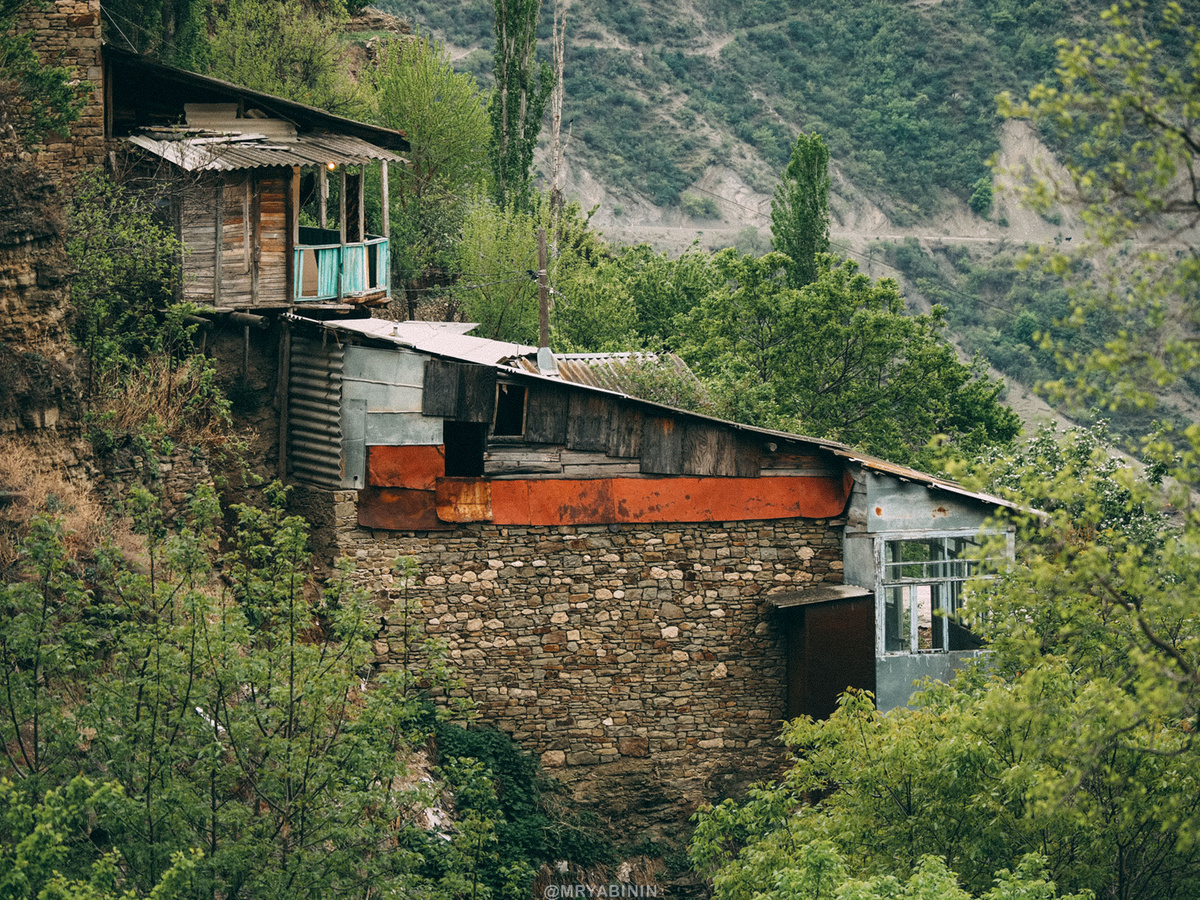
[(322, 262)]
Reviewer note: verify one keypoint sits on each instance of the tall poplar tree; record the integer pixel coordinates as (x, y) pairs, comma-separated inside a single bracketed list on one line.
[(518, 100), (800, 209)]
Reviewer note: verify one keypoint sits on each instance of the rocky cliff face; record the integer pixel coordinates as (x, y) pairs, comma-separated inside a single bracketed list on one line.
[(38, 389)]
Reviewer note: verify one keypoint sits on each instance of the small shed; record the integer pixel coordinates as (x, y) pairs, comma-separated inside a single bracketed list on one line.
[(242, 167)]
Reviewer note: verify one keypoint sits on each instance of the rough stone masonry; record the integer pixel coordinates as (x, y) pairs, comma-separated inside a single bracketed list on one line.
[(610, 650)]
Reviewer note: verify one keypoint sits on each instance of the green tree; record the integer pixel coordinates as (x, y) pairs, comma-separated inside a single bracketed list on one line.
[(839, 358), (497, 253), (442, 113), (800, 209), (128, 266), (174, 31), (981, 197), (1122, 116), (952, 799), (285, 48), (235, 720), (518, 101), (35, 847)]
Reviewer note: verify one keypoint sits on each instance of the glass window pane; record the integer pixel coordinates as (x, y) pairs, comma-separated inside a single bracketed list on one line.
[(897, 620)]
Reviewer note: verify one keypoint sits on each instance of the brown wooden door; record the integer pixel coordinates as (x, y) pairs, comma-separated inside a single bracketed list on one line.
[(831, 646)]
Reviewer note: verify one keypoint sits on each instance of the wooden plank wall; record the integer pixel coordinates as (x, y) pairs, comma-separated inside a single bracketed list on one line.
[(198, 236), (571, 433), (581, 434), (235, 241), (273, 229), (253, 228)]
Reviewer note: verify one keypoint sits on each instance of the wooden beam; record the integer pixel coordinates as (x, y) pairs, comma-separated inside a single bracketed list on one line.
[(294, 221), (246, 224), (362, 213), (383, 187), (291, 216), (323, 197), (256, 235), (341, 231)]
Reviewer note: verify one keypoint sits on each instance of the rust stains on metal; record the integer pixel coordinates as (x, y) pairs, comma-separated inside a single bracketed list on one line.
[(416, 467), (399, 509), (632, 500), (464, 499)]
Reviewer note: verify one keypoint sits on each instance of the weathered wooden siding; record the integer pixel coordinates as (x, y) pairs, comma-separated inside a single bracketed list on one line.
[(248, 211), (273, 229), (198, 233), (236, 262), (585, 457)]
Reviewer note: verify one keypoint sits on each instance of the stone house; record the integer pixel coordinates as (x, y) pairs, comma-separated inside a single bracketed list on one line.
[(630, 590), (240, 168)]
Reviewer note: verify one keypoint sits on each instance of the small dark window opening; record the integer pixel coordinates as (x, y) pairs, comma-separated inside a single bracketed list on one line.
[(510, 410), (464, 448)]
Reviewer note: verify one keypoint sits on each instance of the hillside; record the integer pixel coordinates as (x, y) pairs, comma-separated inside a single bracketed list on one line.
[(682, 112)]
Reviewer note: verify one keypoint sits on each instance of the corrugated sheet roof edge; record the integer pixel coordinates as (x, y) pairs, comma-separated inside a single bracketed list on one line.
[(205, 154), (838, 449)]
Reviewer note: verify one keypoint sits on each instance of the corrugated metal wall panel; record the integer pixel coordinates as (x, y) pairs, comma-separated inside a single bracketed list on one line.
[(314, 414)]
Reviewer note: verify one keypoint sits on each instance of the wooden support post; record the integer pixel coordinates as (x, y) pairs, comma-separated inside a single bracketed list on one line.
[(362, 213), (245, 353), (281, 392), (342, 234), (292, 232), (294, 221), (256, 237), (246, 225), (323, 197), (383, 188)]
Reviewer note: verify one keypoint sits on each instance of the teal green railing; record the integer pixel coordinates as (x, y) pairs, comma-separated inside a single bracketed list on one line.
[(320, 261)]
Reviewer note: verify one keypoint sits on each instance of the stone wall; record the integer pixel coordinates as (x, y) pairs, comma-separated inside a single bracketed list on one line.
[(639, 661), (67, 33), (38, 389)]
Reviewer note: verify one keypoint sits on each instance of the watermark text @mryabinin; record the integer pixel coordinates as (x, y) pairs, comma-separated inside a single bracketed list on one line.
[(600, 891)]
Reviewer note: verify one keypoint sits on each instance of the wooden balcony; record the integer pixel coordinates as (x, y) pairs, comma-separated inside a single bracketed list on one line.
[(326, 269)]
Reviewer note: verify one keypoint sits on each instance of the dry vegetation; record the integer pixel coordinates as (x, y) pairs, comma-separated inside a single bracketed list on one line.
[(30, 485)]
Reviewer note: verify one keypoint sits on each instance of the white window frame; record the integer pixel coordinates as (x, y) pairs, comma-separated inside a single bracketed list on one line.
[(947, 571)]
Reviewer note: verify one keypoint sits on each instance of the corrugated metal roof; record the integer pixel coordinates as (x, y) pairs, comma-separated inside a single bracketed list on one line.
[(611, 371), (447, 339), (207, 151), (438, 338)]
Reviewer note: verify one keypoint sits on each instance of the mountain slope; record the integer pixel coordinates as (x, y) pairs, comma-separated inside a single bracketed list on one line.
[(665, 97)]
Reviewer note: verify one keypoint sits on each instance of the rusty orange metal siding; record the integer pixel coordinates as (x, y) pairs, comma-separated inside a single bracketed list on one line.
[(399, 509), (603, 501), (417, 467), (464, 500)]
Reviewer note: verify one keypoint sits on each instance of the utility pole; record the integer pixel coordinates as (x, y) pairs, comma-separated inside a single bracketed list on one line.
[(545, 357)]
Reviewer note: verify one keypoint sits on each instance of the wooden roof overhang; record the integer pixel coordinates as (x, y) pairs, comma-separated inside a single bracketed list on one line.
[(141, 92)]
